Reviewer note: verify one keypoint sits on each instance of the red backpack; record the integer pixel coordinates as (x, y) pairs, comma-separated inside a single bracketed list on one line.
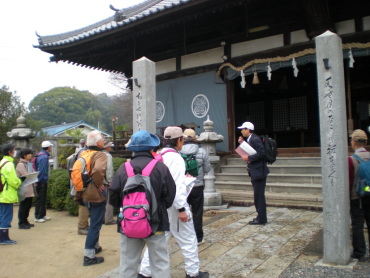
[(34, 161)]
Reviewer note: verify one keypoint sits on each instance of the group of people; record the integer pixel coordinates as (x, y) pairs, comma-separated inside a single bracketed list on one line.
[(178, 216), (12, 178), (180, 212)]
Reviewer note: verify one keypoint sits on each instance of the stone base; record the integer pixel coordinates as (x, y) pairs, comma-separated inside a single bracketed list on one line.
[(351, 264), (212, 199)]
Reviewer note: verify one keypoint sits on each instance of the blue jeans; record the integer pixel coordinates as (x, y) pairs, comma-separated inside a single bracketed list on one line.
[(6, 215), (97, 211)]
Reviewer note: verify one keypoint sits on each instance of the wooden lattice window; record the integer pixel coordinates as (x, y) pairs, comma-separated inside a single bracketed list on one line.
[(298, 113), (290, 114), (257, 114), (280, 114), (242, 113)]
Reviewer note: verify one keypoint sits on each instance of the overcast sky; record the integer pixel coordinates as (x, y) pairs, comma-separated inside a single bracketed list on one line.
[(27, 70)]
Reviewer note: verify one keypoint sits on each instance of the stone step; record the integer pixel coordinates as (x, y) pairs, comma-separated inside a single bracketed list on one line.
[(276, 169), (273, 178), (245, 185), (236, 160), (290, 200)]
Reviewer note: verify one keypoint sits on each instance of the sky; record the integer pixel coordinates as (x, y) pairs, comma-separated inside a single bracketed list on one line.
[(26, 70)]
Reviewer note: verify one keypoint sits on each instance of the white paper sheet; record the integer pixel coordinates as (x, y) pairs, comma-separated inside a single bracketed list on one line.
[(30, 178)]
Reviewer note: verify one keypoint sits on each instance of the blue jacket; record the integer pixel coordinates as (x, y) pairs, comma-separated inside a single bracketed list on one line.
[(42, 166)]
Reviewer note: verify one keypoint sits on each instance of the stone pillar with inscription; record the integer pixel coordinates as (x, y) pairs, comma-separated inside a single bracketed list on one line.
[(334, 149), (144, 95)]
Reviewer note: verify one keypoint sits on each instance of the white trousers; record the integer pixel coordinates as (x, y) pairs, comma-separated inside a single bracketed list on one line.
[(131, 250), (185, 237)]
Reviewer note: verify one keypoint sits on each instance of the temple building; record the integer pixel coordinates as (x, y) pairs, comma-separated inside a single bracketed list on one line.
[(234, 60)]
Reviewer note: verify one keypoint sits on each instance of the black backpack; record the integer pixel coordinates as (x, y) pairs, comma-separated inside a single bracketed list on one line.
[(271, 151)]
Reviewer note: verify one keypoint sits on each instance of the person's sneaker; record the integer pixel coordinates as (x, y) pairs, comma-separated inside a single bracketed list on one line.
[(83, 231), (96, 260), (23, 226), (110, 222), (199, 275), (143, 276), (98, 250), (361, 259), (7, 242), (201, 242), (46, 218), (41, 220)]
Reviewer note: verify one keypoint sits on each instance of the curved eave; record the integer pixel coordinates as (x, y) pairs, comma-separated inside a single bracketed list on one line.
[(110, 24), (54, 59)]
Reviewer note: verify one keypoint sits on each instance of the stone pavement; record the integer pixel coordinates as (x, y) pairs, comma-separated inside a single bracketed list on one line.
[(235, 249)]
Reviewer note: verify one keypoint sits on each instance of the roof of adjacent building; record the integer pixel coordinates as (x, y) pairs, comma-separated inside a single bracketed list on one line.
[(59, 129)]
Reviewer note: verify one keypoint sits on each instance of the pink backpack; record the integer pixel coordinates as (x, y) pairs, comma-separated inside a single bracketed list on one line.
[(140, 217), (159, 156)]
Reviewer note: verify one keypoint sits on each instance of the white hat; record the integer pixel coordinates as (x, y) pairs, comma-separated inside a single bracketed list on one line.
[(172, 132), (248, 125), (46, 144)]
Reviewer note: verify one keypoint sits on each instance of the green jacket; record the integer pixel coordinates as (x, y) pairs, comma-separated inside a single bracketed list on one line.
[(10, 180)]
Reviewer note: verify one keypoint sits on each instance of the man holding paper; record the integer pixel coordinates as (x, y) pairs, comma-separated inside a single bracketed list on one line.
[(254, 155)]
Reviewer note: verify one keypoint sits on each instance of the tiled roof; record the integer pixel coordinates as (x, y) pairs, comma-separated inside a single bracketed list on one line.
[(121, 18), (58, 129)]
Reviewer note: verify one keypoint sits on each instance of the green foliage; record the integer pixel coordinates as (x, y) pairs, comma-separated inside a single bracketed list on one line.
[(11, 108), (123, 127), (122, 108), (58, 188), (77, 132), (71, 206), (118, 161), (64, 153), (65, 104)]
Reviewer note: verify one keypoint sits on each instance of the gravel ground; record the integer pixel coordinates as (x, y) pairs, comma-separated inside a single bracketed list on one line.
[(304, 265)]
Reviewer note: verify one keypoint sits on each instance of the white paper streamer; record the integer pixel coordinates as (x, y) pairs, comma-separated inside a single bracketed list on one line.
[(242, 75), (295, 69), (269, 70), (351, 60)]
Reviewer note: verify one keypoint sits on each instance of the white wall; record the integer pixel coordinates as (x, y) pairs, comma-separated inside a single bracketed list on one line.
[(258, 45), (212, 56), (345, 27), (165, 66)]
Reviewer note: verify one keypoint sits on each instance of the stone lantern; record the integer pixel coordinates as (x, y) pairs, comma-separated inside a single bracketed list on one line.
[(208, 140), (21, 134)]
